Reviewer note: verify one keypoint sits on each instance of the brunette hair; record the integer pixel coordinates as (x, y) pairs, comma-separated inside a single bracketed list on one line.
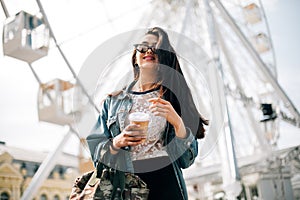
[(173, 80)]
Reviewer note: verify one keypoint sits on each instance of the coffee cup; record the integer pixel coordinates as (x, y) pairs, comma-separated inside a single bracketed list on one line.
[(140, 118)]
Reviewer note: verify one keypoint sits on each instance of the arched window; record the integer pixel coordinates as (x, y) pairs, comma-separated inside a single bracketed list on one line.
[(56, 197), (43, 197), (4, 196), (219, 195)]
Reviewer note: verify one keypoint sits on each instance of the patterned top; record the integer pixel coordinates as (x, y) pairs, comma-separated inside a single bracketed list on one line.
[(153, 147)]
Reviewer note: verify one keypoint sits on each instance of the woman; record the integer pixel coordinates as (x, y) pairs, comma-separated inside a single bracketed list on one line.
[(159, 89)]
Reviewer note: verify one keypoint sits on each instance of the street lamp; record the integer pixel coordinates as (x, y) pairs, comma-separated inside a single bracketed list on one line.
[(268, 120)]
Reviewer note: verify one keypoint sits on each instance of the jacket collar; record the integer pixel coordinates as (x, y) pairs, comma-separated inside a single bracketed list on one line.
[(126, 90)]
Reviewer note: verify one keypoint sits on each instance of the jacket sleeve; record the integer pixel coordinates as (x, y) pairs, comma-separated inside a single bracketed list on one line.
[(98, 140), (184, 151)]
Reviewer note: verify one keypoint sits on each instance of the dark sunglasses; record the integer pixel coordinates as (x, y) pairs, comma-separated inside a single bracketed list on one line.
[(143, 48)]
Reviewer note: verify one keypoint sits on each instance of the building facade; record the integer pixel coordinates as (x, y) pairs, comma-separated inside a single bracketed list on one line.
[(275, 177), (18, 166)]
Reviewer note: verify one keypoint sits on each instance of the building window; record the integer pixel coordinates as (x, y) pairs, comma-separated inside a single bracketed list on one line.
[(56, 197), (254, 192), (219, 195), (4, 196), (243, 195), (43, 197)]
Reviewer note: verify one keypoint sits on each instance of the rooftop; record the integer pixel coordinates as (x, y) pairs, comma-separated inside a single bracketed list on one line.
[(64, 159)]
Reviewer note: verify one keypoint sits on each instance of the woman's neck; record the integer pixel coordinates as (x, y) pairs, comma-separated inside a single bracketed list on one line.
[(145, 83)]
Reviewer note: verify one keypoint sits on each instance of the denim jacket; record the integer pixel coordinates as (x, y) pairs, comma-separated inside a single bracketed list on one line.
[(182, 152)]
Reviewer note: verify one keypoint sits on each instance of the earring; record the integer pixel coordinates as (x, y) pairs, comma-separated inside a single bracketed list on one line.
[(136, 65)]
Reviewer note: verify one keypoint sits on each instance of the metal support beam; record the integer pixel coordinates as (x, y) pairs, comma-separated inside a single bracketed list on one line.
[(230, 173), (64, 57), (185, 20), (45, 169), (4, 9), (29, 64), (265, 147), (270, 38), (39, 81), (262, 66)]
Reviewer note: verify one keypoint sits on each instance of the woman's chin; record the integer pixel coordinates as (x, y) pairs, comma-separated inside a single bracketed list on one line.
[(149, 65)]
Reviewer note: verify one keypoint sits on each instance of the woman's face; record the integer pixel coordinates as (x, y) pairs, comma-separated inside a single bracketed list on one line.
[(147, 59)]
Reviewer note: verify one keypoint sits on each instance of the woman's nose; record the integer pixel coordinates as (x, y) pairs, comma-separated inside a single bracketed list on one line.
[(149, 50)]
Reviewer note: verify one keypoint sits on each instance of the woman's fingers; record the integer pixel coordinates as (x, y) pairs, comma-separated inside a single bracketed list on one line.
[(136, 133), (158, 105), (158, 100), (132, 127), (124, 140), (133, 135), (130, 143), (133, 141), (160, 109), (164, 108)]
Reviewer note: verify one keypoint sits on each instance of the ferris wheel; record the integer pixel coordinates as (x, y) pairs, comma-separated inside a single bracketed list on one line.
[(235, 54), (236, 37)]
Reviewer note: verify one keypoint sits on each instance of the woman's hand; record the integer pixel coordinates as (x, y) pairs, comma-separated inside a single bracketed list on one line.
[(163, 108), (132, 135)]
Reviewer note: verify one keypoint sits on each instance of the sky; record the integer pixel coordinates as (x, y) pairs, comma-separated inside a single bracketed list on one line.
[(19, 125), (282, 17), (285, 32)]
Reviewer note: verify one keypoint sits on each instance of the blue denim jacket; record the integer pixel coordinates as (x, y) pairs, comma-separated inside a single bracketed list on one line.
[(182, 152)]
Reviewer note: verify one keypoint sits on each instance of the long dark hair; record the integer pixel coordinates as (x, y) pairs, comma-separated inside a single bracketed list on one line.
[(173, 82)]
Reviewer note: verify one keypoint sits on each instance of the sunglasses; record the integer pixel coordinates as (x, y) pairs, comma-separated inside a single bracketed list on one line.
[(143, 48)]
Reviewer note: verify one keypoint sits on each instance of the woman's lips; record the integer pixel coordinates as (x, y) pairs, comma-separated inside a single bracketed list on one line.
[(147, 58)]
